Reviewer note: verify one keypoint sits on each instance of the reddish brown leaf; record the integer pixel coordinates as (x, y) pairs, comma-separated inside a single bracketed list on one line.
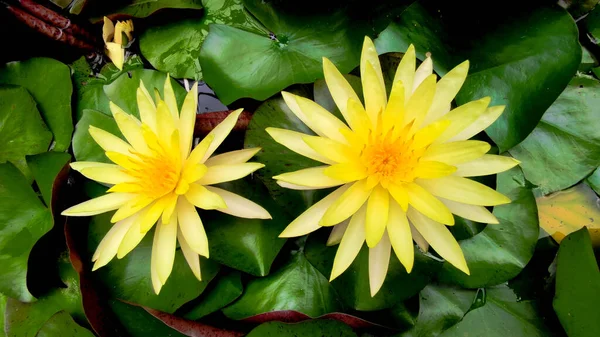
[(207, 121), (191, 328)]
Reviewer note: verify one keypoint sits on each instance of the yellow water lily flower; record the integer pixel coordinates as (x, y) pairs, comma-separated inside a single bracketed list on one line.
[(157, 179), (402, 163), (113, 39)]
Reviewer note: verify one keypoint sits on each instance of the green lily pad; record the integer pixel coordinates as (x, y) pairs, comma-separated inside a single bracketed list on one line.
[(497, 312), (45, 168), (175, 47), (500, 251), (84, 146), (313, 328), (23, 131), (249, 245), (49, 82), (138, 322), (577, 286), (226, 289), (129, 278), (63, 325), (353, 285), (508, 51), (144, 8), (565, 146), (594, 180), (24, 220), (296, 286)]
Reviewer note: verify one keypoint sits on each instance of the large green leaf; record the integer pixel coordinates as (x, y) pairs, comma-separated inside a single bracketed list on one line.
[(565, 146), (63, 325), (23, 221), (497, 312), (500, 251), (129, 278), (144, 8), (594, 180), (175, 47), (45, 168), (508, 51), (22, 130), (296, 286), (49, 82), (139, 323), (249, 245), (353, 285), (577, 286), (313, 328), (225, 290), (84, 146)]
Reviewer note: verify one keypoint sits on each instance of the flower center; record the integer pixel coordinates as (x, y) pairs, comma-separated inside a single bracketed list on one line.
[(156, 175), (390, 160)]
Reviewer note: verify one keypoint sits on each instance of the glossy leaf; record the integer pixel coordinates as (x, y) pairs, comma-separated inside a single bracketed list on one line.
[(23, 221), (565, 146), (565, 212), (577, 286), (225, 290), (129, 278), (63, 325), (84, 146), (500, 251), (249, 245), (143, 8), (353, 285), (139, 323), (497, 312), (175, 47), (45, 168), (23, 131), (296, 286), (314, 328), (594, 180), (49, 82), (507, 52)]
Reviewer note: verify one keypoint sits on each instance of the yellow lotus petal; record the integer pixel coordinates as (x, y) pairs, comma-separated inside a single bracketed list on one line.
[(102, 204), (308, 221), (130, 128), (331, 149), (240, 206), (456, 153), (433, 169), (419, 239), (463, 190), (131, 207), (406, 71), (337, 233), (221, 131), (192, 259), (485, 165), (165, 123), (424, 70), (152, 214), (170, 204), (232, 157), (446, 89), (429, 134), (187, 120), (346, 172), (223, 173), (379, 261), (352, 242), (340, 89), (197, 154), (146, 107), (369, 56), (108, 30), (462, 117), (191, 227), (471, 212), (401, 240), (486, 119), (101, 172), (440, 238), (107, 249), (294, 141), (157, 97), (203, 198), (170, 100), (427, 204), (165, 246), (116, 53), (373, 91), (394, 110), (133, 237), (156, 282), (294, 186), (377, 215), (314, 177), (347, 204), (109, 142), (357, 118), (420, 101), (398, 192)]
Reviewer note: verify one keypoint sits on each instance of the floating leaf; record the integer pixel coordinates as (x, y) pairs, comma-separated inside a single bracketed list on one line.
[(84, 146), (314, 328), (144, 8), (594, 180), (46, 167), (226, 289), (49, 82), (62, 324), (577, 286), (139, 323)]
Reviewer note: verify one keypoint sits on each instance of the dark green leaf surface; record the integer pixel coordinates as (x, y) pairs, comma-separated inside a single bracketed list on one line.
[(62, 325), (500, 251), (175, 46), (45, 167), (565, 146), (353, 285), (84, 146), (144, 8), (49, 82), (22, 130), (313, 328), (129, 278), (226, 289), (508, 52), (23, 221), (577, 286), (139, 323), (296, 286)]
